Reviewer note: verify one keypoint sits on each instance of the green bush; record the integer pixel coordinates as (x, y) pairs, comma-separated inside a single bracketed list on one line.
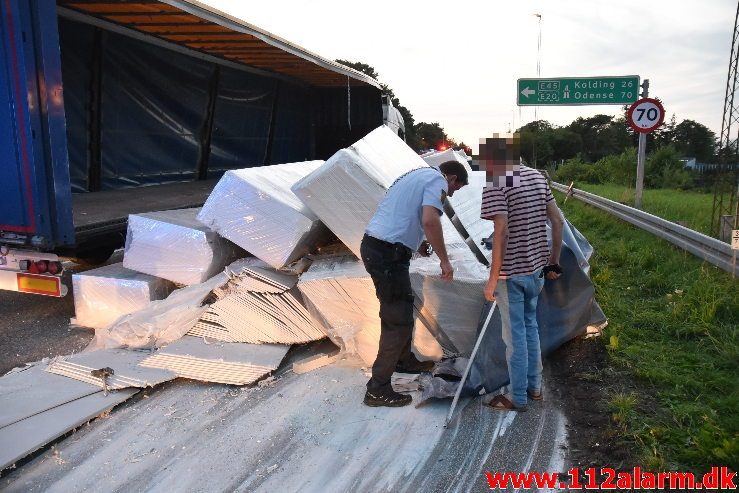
[(575, 170), (619, 169), (665, 170)]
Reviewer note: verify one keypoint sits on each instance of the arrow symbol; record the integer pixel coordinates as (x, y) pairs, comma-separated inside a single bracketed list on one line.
[(528, 92)]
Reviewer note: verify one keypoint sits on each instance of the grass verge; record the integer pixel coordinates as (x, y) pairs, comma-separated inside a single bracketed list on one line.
[(673, 327), (691, 209)]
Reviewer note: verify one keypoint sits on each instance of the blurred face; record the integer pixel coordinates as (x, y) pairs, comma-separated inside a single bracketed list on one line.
[(500, 157)]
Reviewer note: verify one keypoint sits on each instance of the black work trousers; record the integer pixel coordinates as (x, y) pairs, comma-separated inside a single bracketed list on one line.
[(388, 264)]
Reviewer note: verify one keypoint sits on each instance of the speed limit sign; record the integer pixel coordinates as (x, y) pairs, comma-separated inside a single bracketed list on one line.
[(646, 115)]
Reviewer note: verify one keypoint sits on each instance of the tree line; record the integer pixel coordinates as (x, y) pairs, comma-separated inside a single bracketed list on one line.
[(596, 149), (602, 149)]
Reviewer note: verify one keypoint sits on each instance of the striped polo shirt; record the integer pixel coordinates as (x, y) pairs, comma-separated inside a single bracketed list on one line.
[(526, 207)]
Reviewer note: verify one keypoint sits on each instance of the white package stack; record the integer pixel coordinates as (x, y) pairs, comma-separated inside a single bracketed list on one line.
[(435, 158), (467, 203), (103, 295), (347, 189), (255, 208), (451, 308), (174, 245), (340, 292)]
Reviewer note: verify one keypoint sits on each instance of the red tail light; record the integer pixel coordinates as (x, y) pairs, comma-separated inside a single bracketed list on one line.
[(41, 266), (55, 268)]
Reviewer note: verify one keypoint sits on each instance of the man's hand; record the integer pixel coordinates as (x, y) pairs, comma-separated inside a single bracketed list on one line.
[(425, 249), (552, 272), (447, 271), (490, 289)]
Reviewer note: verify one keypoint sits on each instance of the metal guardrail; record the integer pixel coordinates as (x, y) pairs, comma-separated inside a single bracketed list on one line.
[(709, 249)]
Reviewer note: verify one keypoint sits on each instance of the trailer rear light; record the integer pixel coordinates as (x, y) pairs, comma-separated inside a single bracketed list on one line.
[(24, 265), (42, 266), (55, 268)]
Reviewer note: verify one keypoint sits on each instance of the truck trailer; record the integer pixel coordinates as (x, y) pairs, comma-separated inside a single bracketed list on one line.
[(121, 107)]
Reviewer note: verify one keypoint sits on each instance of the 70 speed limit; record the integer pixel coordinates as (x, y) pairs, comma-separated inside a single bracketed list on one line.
[(646, 115)]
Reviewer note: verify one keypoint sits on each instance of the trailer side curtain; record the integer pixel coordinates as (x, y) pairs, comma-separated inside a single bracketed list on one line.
[(77, 53), (154, 115), (241, 121)]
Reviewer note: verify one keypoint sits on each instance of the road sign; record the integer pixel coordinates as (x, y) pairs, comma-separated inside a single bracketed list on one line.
[(645, 115), (573, 91), (735, 239)]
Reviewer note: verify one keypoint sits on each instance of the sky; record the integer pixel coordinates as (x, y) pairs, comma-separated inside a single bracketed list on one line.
[(456, 63)]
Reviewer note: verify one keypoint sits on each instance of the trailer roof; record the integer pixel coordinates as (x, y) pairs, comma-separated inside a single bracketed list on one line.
[(199, 27)]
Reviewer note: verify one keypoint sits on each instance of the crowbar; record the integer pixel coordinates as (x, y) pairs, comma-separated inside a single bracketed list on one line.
[(469, 363)]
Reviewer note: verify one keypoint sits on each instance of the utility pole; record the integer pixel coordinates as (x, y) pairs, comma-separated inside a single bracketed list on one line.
[(641, 156), (538, 75)]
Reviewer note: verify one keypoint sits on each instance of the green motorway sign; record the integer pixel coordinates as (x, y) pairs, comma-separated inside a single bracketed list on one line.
[(578, 90)]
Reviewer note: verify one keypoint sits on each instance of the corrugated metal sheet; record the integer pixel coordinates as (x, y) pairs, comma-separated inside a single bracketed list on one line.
[(203, 29)]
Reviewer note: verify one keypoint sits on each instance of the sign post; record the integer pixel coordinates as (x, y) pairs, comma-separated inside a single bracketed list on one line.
[(572, 91), (644, 116), (734, 248)]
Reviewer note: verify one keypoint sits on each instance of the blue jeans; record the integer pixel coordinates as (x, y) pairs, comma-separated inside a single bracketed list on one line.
[(517, 297)]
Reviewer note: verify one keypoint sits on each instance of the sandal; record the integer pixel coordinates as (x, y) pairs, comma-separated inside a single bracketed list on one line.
[(502, 403), (535, 395)]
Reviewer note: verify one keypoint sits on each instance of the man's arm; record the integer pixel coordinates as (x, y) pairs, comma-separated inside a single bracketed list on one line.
[(555, 219), (500, 240), (434, 234)]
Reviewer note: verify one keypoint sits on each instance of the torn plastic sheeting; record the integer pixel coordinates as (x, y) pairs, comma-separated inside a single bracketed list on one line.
[(345, 192), (104, 294), (432, 387), (174, 245), (163, 321), (256, 209)]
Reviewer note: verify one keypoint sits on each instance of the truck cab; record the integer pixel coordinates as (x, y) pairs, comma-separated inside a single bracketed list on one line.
[(392, 118)]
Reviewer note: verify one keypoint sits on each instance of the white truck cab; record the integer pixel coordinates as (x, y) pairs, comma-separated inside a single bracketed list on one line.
[(392, 117)]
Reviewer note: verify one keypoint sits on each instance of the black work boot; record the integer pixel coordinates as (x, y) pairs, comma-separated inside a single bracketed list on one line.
[(386, 396), (413, 365)]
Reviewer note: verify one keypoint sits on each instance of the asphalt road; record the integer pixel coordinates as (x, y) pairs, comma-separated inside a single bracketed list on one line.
[(305, 433)]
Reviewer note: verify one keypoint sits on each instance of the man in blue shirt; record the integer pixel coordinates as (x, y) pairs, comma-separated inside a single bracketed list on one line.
[(412, 206)]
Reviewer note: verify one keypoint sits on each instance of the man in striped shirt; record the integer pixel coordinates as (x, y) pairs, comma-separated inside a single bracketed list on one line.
[(521, 260)]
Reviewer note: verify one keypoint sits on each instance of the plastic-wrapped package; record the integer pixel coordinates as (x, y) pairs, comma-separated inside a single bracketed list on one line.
[(347, 189), (466, 203), (164, 321), (435, 158), (452, 308), (104, 294), (340, 292), (174, 245), (255, 208)]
